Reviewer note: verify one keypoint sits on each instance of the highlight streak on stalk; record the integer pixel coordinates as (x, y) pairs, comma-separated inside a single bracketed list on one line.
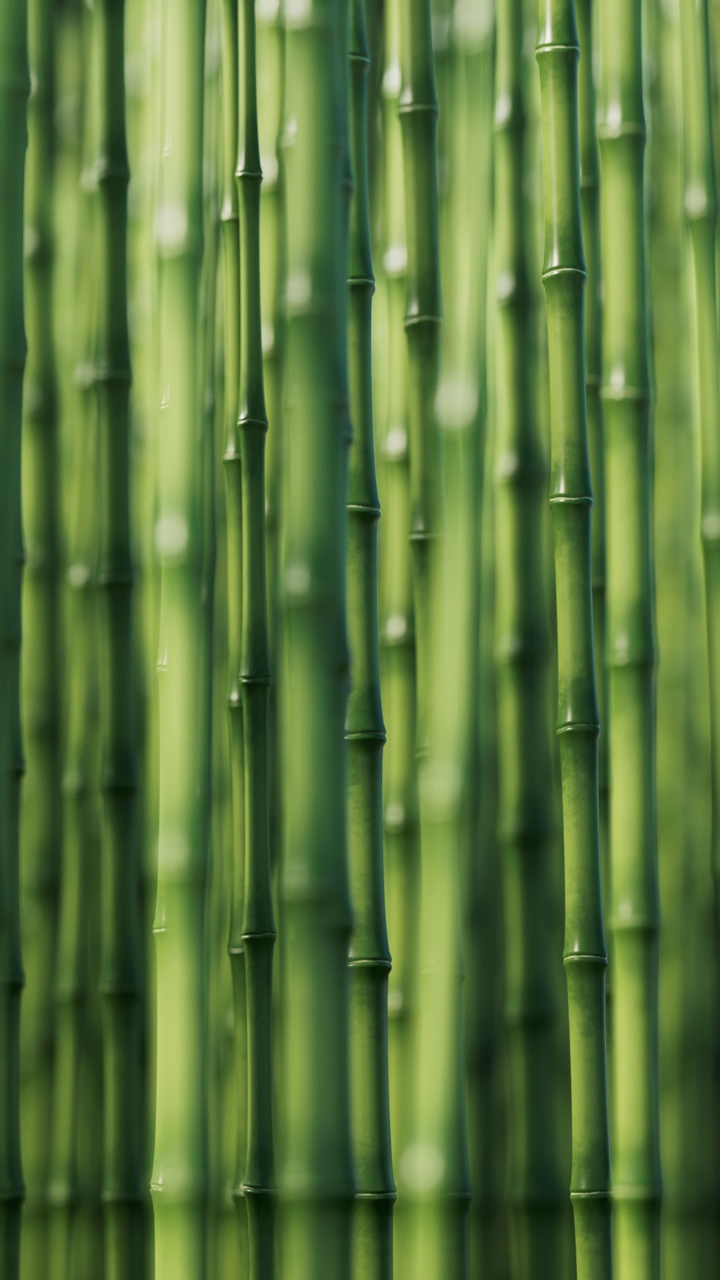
[(121, 930), (40, 823), (435, 1166), (317, 1174), (701, 213), (522, 655), (14, 91), (179, 1178), (257, 925), (630, 647), (585, 956), (365, 734)]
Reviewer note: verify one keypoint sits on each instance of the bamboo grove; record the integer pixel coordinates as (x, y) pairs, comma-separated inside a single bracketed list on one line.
[(359, 627)]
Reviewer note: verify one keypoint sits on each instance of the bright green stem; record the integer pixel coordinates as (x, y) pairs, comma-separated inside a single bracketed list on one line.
[(179, 1178), (121, 951), (233, 498), (585, 956), (14, 90), (365, 734), (630, 648), (257, 926), (525, 805), (316, 1181), (701, 212), (40, 826)]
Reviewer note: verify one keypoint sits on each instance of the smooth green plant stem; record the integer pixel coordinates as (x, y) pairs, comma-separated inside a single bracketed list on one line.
[(257, 924), (630, 647), (179, 1177), (584, 953), (316, 1182), (121, 953), (233, 498), (365, 734), (525, 804), (14, 91), (701, 213), (40, 825)]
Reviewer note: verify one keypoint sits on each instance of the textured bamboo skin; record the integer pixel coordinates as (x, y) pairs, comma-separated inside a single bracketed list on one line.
[(372, 1257), (316, 1181), (230, 216), (585, 956), (121, 928), (40, 824), (630, 649), (257, 922), (701, 212), (179, 1176), (14, 91), (522, 655)]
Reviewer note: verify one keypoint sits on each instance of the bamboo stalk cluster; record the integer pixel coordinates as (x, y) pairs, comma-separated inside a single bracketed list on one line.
[(359, 379)]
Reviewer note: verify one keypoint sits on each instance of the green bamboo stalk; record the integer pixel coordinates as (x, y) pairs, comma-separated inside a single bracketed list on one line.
[(365, 733), (630, 647), (257, 925), (121, 962), (585, 956), (40, 825), (317, 1174), (179, 1178), (525, 804), (701, 214)]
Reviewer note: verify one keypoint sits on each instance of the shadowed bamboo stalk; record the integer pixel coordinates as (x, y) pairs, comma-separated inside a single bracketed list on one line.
[(121, 955), (435, 1165), (179, 1178), (630, 647), (257, 924), (40, 826), (522, 657), (229, 217), (585, 956), (365, 734), (317, 1174), (14, 91)]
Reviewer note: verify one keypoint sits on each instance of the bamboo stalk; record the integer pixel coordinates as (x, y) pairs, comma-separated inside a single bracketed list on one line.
[(121, 960), (585, 956), (522, 656), (630, 647), (40, 825), (257, 925), (317, 1175), (365, 733), (179, 1178)]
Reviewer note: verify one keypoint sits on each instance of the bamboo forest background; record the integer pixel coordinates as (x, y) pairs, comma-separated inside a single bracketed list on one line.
[(307, 308)]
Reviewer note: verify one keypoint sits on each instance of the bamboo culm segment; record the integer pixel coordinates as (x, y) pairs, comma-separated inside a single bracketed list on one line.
[(257, 923), (316, 1181), (121, 925), (522, 656), (585, 954), (14, 91), (179, 1176), (630, 648), (701, 213), (41, 820), (365, 734)]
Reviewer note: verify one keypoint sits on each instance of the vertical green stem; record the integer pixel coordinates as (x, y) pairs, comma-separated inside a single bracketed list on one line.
[(365, 734), (585, 956), (630, 646), (14, 90), (179, 1178), (40, 826), (317, 1174)]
